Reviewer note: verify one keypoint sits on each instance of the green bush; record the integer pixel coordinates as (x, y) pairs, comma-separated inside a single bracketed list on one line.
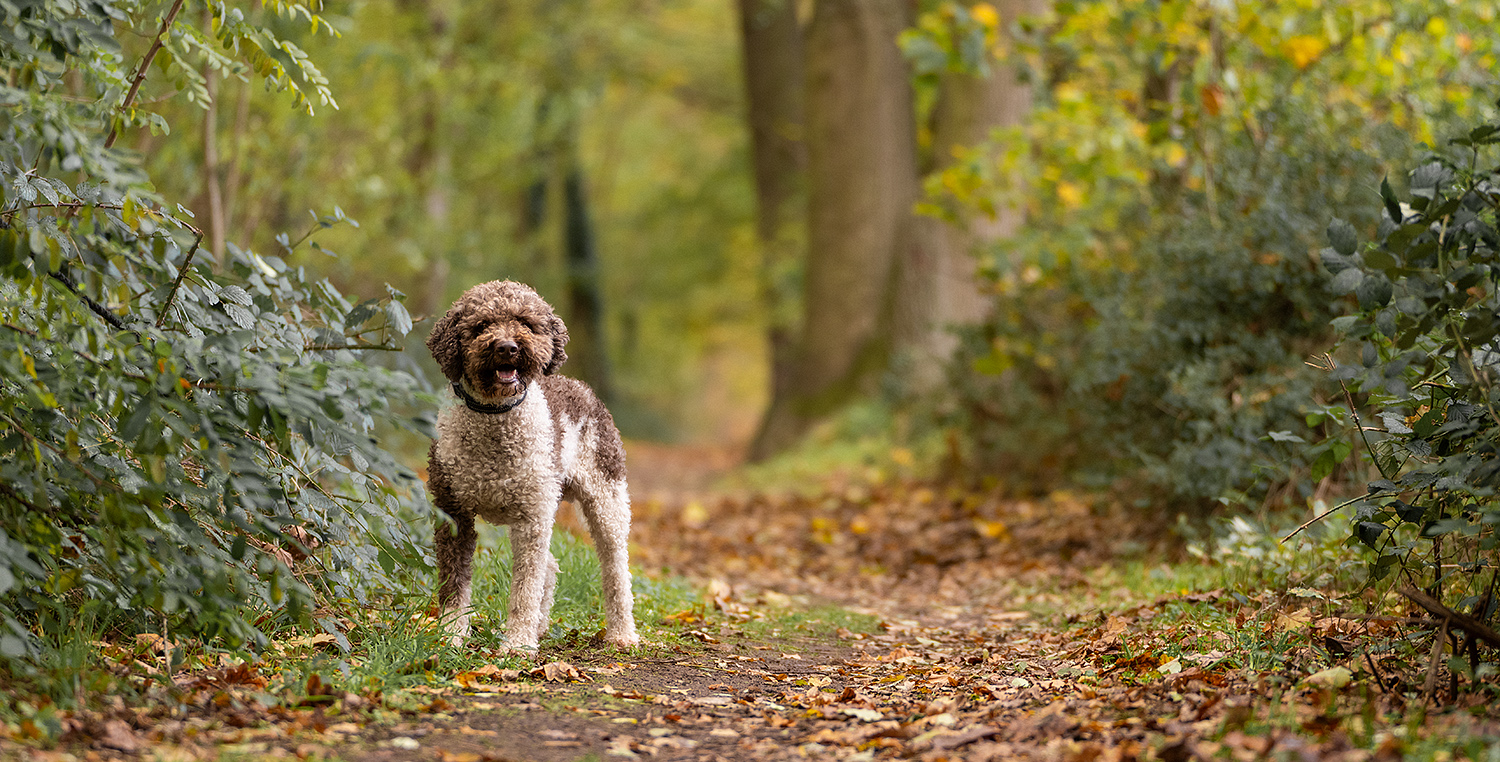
[(176, 427), (1424, 346), (1172, 366)]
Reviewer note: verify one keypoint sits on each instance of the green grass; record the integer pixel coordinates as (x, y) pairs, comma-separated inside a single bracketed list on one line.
[(786, 625), (401, 646), (579, 605)]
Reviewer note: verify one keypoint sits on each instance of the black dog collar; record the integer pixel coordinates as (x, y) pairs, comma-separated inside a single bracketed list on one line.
[(480, 407)]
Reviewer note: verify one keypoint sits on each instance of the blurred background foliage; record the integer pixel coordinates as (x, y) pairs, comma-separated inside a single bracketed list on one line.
[(1156, 309), (458, 124), (1044, 244)]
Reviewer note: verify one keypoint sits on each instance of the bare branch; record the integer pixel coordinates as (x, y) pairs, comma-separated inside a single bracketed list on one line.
[(187, 264), (1462, 621)]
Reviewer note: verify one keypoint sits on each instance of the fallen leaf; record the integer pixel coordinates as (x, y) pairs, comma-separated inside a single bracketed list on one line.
[(1333, 677), (976, 733), (558, 671), (118, 736)]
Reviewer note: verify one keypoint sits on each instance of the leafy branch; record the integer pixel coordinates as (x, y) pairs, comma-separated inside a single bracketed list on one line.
[(140, 71)]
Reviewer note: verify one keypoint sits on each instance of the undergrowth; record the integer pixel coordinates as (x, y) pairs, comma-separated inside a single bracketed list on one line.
[(383, 649)]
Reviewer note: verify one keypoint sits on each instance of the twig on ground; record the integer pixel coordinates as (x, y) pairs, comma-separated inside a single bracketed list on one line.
[(1462, 621), (1380, 681), (1429, 686)]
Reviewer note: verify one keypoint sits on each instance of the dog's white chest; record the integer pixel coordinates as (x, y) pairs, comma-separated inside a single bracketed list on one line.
[(504, 466)]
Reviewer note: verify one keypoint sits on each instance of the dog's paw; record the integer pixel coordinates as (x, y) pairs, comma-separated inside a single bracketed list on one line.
[(626, 640), (523, 650)]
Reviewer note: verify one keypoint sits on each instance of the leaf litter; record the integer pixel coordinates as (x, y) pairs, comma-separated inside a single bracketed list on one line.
[(963, 626)]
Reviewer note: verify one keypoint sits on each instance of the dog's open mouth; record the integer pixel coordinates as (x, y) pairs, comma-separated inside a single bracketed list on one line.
[(507, 378)]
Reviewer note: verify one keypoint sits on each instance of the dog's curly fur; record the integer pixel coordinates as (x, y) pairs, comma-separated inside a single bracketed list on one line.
[(501, 343)]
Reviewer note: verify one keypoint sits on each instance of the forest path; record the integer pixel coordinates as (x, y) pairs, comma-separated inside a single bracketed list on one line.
[(856, 622), (862, 618)]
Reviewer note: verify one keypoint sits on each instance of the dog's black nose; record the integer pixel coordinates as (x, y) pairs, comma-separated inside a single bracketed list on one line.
[(507, 349)]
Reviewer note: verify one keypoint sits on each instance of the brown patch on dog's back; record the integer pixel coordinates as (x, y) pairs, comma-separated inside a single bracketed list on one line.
[(574, 399)]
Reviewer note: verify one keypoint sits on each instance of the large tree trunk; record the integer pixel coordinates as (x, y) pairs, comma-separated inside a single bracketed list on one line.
[(586, 347), (772, 40), (862, 178), (430, 162), (938, 289)]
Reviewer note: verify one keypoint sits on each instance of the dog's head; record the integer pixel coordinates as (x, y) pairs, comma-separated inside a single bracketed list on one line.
[(499, 337)]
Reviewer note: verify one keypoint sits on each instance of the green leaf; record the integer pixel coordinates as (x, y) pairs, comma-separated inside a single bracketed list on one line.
[(1381, 259), (131, 430), (1347, 281), (12, 646), (1374, 292), (1370, 532), (1342, 238), (1392, 206), (398, 318)]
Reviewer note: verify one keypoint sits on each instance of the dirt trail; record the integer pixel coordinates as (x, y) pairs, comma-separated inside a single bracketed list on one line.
[(951, 669), (885, 621)]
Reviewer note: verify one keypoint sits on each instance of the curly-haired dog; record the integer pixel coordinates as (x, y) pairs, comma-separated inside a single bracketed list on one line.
[(518, 440)]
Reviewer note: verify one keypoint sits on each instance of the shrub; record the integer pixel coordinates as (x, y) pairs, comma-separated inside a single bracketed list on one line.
[(1169, 362), (1425, 350), (172, 439)]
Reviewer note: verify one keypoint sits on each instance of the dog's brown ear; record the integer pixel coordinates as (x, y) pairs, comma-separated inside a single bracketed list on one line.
[(446, 345), (559, 340)]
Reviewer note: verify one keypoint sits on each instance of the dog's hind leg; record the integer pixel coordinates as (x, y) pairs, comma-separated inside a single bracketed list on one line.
[(607, 510), (531, 566)]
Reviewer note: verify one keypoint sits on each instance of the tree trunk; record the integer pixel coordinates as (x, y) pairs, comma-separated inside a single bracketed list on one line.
[(938, 289), (773, 68), (586, 347), (236, 165), (862, 178), (430, 160), (218, 227)]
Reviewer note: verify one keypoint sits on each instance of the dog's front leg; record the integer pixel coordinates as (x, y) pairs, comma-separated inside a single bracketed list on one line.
[(531, 561)]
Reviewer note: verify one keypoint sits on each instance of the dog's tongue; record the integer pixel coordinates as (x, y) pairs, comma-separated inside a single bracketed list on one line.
[(507, 376)]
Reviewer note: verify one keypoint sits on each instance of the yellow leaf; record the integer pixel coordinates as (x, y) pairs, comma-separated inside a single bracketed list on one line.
[(1176, 155), (901, 456), (694, 515), (1069, 93), (986, 14), (995, 530), (1303, 49), (1070, 194)]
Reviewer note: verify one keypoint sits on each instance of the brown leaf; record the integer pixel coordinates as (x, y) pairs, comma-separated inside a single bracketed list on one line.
[(963, 738), (118, 736), (558, 672)]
